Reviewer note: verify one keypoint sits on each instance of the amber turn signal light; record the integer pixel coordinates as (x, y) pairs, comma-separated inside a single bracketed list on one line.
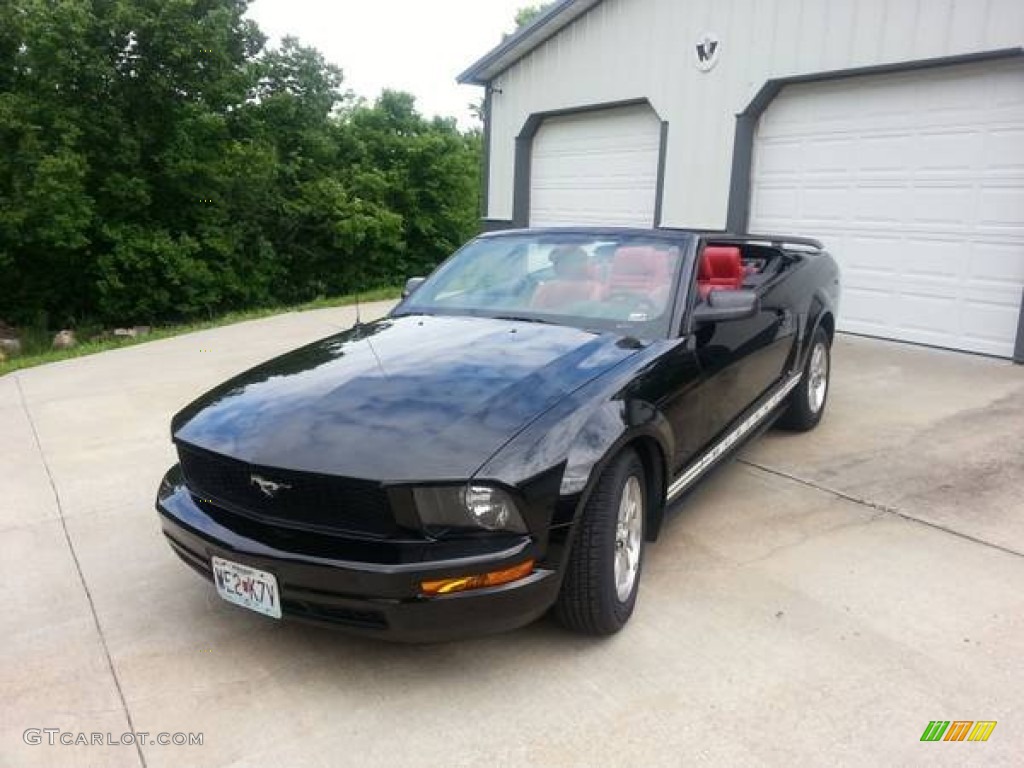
[(480, 580)]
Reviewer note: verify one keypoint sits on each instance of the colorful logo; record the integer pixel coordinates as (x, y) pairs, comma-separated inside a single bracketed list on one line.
[(958, 730)]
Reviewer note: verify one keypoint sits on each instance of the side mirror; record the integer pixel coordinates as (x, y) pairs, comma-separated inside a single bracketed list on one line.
[(722, 306), (411, 285)]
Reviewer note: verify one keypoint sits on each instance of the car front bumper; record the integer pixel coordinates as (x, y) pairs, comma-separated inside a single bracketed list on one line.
[(377, 596)]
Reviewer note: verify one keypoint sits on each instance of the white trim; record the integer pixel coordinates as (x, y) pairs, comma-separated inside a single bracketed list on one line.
[(705, 462)]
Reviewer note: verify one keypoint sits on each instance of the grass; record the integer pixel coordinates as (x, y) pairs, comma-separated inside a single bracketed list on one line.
[(35, 344)]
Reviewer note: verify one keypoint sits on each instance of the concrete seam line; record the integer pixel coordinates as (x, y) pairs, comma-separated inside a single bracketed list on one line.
[(808, 536), (879, 507), (78, 568)]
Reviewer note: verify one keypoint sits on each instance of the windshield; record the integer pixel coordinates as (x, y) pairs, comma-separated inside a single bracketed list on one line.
[(602, 282)]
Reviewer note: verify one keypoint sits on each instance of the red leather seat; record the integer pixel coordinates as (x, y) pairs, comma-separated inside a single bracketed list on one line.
[(574, 281), (560, 294), (721, 269), (639, 269)]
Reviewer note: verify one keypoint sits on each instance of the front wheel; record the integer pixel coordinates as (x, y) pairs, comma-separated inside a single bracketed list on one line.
[(807, 400), (603, 572)]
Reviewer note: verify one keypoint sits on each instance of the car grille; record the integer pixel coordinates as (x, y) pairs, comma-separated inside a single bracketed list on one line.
[(304, 500)]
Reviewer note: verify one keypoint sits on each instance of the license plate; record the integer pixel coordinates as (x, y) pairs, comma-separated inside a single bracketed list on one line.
[(248, 587)]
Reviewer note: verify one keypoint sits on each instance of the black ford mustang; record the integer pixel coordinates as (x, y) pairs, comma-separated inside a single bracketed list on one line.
[(507, 440)]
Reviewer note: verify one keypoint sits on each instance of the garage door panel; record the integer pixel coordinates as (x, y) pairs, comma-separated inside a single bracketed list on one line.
[(930, 289), (587, 208), (927, 315), (938, 204), (871, 311), (915, 182), (825, 158), (1002, 207), (876, 204), (780, 157), (777, 206), (997, 262), (985, 326), (822, 204), (598, 167), (931, 258), (873, 257), (1004, 150), (567, 170), (878, 153), (950, 151)]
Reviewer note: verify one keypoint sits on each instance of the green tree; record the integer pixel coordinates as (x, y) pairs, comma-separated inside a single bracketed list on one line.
[(161, 163), (425, 172), (527, 15)]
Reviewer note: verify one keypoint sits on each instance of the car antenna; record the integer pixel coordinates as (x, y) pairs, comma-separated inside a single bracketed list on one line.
[(359, 289)]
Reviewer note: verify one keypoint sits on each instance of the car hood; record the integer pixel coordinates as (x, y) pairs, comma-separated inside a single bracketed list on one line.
[(402, 399)]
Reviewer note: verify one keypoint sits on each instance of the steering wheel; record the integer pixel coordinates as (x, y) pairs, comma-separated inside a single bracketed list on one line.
[(525, 285)]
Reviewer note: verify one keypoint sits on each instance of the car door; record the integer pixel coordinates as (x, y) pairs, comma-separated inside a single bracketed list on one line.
[(678, 383), (741, 359)]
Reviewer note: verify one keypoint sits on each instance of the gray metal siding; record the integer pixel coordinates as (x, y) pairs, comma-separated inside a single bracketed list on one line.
[(629, 49)]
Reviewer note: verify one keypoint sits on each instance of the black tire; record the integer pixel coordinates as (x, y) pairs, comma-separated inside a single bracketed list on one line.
[(589, 601), (805, 408)]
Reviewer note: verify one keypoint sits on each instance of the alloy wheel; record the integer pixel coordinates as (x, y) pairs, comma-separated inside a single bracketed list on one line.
[(817, 371), (628, 537)]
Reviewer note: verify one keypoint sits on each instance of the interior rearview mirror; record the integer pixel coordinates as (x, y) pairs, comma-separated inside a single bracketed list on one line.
[(721, 306), (411, 285)]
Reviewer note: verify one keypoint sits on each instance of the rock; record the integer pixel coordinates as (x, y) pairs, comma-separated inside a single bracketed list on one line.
[(142, 330), (124, 333), (64, 339), (10, 345)]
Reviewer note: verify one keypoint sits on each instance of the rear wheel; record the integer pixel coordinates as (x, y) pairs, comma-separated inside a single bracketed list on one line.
[(807, 400), (603, 572)]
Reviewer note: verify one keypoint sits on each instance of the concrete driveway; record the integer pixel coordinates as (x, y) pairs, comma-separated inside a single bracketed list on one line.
[(818, 602)]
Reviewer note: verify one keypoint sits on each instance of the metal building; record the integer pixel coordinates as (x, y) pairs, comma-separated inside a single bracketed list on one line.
[(891, 129)]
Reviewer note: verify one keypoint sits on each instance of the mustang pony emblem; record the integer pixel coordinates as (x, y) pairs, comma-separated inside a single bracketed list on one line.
[(267, 487)]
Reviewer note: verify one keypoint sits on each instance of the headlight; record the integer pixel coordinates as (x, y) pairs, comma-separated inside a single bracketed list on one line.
[(472, 506)]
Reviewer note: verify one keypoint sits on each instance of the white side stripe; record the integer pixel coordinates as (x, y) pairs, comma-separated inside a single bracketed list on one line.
[(716, 451)]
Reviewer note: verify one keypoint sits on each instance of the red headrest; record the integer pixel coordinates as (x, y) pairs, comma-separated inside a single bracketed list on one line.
[(720, 269), (635, 260), (721, 262), (639, 268)]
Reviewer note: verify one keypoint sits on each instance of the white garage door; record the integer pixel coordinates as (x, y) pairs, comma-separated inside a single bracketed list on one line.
[(916, 184), (597, 167)]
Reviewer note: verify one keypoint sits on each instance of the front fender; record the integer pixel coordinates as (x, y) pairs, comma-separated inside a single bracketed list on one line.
[(609, 428), (583, 442), (580, 435)]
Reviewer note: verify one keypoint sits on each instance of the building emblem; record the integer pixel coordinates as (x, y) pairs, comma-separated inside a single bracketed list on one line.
[(707, 51)]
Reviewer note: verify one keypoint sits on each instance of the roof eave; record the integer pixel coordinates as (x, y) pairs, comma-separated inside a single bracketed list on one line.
[(518, 45)]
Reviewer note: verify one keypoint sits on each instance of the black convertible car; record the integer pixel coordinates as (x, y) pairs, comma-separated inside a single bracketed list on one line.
[(507, 440)]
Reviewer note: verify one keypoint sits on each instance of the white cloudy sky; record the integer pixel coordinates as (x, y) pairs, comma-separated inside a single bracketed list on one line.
[(411, 45)]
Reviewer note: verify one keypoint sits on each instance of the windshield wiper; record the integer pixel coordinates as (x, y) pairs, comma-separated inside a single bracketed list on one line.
[(413, 313), (524, 319), (521, 319)]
